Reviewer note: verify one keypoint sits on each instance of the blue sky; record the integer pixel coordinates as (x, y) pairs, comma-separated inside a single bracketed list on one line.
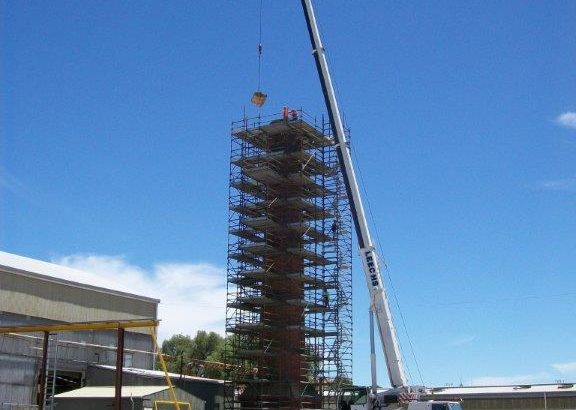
[(114, 127)]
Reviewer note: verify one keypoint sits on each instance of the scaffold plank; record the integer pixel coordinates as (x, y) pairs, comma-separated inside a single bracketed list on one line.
[(312, 332), (305, 229), (262, 223), (257, 300), (310, 210), (266, 175), (243, 306), (313, 257), (311, 280), (248, 282), (242, 257), (250, 210), (307, 161), (247, 327), (259, 137), (249, 187), (308, 306), (311, 165), (311, 188), (246, 234), (259, 274), (254, 136), (259, 249), (318, 309), (248, 353), (314, 136)]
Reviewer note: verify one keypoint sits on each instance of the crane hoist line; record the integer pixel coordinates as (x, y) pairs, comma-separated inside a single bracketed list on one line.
[(402, 393)]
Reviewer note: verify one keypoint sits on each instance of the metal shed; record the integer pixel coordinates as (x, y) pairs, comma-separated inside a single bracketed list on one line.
[(133, 397), (202, 393), (525, 396)]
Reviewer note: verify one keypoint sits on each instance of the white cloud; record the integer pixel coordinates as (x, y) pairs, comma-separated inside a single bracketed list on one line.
[(461, 341), (567, 119), (568, 368), (563, 184), (542, 377), (565, 368), (193, 295)]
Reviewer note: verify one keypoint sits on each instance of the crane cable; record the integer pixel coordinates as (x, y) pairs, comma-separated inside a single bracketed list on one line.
[(259, 98), (260, 46), (394, 293), (393, 288)]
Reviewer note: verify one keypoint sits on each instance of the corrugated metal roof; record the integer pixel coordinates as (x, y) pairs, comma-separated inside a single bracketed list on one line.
[(104, 392), (513, 389), (42, 270), (158, 374)]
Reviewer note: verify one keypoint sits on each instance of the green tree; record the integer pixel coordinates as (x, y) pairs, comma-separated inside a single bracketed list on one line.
[(218, 356), (177, 351), (182, 350), (205, 344)]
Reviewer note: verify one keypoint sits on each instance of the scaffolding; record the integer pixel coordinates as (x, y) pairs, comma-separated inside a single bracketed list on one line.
[(289, 288)]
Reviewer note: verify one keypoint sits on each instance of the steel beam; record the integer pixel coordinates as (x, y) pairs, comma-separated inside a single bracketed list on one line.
[(75, 326)]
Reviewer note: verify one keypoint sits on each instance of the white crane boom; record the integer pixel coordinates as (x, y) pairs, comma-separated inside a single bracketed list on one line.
[(379, 300)]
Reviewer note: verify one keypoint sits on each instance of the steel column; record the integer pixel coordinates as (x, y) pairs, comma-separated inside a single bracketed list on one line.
[(119, 365), (40, 398)]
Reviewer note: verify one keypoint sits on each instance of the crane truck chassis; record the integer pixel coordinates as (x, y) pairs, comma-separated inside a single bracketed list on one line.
[(361, 398), (367, 398)]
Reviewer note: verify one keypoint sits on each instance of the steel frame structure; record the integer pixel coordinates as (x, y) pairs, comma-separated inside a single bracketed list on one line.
[(289, 283), (119, 325)]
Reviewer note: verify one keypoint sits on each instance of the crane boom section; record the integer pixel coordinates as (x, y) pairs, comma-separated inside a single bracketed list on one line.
[(379, 301)]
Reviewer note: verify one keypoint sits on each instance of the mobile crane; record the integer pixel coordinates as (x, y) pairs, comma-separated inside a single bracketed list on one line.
[(401, 391)]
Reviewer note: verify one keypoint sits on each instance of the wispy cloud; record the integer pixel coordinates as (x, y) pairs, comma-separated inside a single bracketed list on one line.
[(193, 295), (542, 377), (10, 183), (562, 184), (565, 368), (567, 119), (461, 341)]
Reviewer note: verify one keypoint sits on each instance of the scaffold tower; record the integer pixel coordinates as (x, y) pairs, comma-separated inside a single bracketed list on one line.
[(289, 287)]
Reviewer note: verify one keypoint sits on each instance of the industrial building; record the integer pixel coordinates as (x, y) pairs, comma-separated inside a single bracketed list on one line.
[(526, 396), (33, 292), (289, 306), (133, 397), (200, 392)]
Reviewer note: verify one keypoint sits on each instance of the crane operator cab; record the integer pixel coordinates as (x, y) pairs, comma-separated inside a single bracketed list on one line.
[(358, 398)]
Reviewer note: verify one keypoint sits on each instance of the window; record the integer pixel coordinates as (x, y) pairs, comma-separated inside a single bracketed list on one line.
[(128, 359)]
